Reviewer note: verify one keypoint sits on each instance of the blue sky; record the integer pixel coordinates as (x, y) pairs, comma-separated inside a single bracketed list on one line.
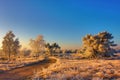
[(61, 21)]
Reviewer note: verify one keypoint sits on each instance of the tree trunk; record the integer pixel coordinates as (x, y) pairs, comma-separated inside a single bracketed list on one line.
[(9, 56)]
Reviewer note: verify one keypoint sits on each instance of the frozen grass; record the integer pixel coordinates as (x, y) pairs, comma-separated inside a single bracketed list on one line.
[(81, 70), (20, 62)]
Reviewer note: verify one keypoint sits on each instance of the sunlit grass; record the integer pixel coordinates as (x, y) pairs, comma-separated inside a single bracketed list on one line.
[(81, 69)]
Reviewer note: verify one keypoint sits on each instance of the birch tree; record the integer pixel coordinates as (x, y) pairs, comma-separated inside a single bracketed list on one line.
[(37, 45), (10, 46)]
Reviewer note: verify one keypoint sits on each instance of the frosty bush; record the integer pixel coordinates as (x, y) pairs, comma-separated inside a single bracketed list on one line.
[(99, 45)]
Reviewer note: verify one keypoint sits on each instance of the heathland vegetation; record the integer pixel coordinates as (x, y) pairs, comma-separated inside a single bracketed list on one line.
[(88, 62)]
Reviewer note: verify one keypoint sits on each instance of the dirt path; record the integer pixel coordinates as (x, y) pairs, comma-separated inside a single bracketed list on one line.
[(25, 72)]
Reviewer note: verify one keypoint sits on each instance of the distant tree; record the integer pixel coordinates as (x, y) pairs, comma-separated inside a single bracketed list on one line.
[(55, 47), (64, 51), (98, 45), (25, 52), (68, 51), (48, 49), (10, 46), (37, 45), (74, 51), (16, 46), (52, 49)]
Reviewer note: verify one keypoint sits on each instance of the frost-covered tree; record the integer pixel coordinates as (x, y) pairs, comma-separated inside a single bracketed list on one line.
[(98, 45), (37, 45), (16, 47), (10, 46)]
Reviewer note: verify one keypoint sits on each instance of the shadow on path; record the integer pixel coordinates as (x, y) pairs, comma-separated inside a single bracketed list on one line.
[(25, 72)]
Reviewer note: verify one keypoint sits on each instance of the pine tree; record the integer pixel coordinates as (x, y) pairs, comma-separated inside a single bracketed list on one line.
[(98, 45), (52, 48)]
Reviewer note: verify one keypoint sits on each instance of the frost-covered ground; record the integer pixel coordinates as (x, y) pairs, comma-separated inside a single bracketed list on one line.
[(20, 62), (65, 69)]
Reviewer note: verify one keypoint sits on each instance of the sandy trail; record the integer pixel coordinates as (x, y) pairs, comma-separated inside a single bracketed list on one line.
[(25, 72)]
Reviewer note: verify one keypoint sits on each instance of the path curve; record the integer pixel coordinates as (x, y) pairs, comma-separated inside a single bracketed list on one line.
[(25, 72)]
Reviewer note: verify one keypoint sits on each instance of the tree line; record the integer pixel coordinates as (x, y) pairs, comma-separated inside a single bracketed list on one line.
[(11, 46), (93, 46)]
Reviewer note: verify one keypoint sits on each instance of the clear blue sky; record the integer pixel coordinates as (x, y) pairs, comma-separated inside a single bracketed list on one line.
[(61, 21)]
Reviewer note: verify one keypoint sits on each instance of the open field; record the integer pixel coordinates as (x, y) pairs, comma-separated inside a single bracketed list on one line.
[(65, 69), (59, 39)]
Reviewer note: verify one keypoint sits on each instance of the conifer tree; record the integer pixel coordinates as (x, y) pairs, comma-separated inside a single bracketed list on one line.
[(98, 45)]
